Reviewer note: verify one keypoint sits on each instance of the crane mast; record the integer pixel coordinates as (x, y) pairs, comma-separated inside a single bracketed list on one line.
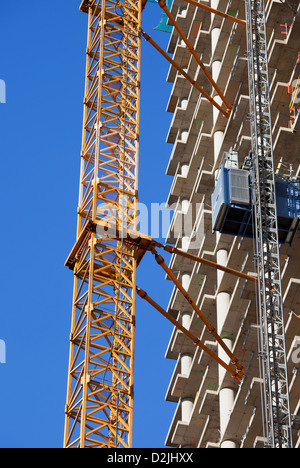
[(100, 381), (274, 374)]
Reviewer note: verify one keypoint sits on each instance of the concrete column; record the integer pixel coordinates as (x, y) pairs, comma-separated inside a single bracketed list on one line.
[(214, 4), (215, 33), (186, 319), (186, 362), (218, 135), (182, 11), (184, 135), (218, 140), (226, 400), (184, 103), (226, 395), (228, 444), (222, 258), (185, 243), (215, 69), (223, 300), (185, 205), (186, 408), (186, 358), (186, 277), (184, 170)]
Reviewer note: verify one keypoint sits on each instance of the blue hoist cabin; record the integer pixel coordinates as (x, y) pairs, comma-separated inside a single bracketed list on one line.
[(232, 209)]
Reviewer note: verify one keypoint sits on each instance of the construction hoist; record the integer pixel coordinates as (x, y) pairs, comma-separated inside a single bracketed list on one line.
[(272, 349)]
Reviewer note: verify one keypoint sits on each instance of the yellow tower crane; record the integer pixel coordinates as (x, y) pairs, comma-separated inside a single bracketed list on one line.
[(108, 248), (100, 381)]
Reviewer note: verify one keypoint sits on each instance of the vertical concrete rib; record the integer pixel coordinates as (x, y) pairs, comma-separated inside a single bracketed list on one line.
[(226, 395)]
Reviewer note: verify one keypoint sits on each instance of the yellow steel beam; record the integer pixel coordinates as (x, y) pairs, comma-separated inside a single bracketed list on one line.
[(236, 374), (159, 259), (231, 271), (193, 82)]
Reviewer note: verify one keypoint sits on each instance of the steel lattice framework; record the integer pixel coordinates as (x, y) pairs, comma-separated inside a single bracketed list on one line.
[(100, 383), (276, 409)]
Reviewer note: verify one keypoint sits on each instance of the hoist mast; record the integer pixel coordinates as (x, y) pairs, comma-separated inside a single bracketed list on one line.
[(100, 382), (274, 374)]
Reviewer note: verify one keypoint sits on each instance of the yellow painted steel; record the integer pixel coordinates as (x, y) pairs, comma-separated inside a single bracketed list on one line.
[(99, 402)]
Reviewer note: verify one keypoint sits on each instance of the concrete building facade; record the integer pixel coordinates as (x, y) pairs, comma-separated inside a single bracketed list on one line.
[(212, 409)]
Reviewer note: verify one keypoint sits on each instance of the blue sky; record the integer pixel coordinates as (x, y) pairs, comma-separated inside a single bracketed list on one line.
[(42, 62)]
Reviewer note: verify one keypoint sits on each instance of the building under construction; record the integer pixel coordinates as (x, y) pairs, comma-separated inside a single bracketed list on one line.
[(235, 100)]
